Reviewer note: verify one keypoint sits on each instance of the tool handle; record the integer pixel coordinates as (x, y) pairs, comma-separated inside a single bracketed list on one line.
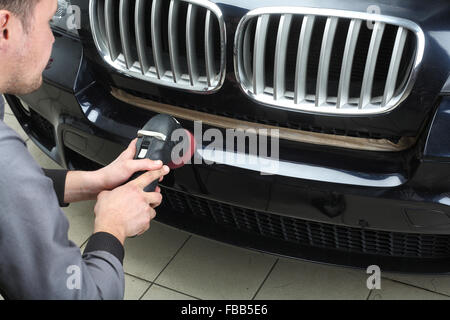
[(151, 187), (156, 150)]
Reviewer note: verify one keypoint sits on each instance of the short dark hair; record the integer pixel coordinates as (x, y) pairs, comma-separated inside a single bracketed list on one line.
[(23, 9)]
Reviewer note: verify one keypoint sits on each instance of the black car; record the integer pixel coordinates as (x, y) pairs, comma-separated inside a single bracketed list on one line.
[(357, 91)]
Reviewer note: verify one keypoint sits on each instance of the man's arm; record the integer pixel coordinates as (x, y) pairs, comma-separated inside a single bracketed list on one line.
[(37, 259), (74, 186), (82, 186)]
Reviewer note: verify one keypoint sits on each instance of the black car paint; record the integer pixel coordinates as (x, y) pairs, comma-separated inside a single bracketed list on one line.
[(76, 100)]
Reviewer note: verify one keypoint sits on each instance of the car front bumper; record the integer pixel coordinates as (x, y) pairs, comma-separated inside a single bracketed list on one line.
[(398, 221)]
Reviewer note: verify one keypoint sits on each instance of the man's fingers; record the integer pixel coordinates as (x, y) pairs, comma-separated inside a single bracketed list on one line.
[(152, 215), (147, 178), (154, 199), (130, 152), (132, 144), (144, 165)]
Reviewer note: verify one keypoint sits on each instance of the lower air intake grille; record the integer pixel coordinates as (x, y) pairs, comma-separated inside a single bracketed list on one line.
[(308, 233)]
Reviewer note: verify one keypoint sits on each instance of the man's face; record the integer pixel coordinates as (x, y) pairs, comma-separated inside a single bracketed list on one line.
[(29, 50)]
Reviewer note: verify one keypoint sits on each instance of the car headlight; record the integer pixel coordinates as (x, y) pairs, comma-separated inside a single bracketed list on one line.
[(67, 17)]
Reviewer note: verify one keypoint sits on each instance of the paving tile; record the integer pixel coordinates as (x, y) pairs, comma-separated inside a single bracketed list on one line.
[(134, 287), (147, 255), (210, 270), (12, 122), (157, 292), (437, 283), (7, 108), (391, 290), (35, 151), (40, 157), (81, 219), (292, 279)]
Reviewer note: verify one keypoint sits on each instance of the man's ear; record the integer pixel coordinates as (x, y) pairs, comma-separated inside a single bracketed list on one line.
[(4, 24)]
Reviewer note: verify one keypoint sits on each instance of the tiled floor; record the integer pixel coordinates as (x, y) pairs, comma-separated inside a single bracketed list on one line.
[(167, 263)]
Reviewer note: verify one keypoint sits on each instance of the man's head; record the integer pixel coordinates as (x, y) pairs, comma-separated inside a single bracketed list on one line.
[(25, 43)]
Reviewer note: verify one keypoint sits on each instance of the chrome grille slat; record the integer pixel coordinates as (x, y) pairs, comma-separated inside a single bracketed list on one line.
[(209, 49), (148, 44), (324, 64), (259, 54), (125, 32), (100, 20), (302, 58), (369, 71), (247, 59), (141, 35), (394, 65), (347, 62), (190, 43), (173, 39), (110, 29), (341, 62), (156, 37), (280, 56)]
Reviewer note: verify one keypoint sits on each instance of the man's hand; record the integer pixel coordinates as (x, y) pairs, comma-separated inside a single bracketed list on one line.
[(121, 170), (82, 185), (127, 210)]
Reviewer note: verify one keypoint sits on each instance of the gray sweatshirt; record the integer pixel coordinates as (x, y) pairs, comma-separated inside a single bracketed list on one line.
[(37, 260)]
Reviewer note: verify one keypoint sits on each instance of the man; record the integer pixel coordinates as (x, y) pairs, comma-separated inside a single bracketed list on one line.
[(37, 260)]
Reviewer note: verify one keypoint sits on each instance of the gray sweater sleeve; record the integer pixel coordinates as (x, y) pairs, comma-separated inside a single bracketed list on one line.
[(37, 260)]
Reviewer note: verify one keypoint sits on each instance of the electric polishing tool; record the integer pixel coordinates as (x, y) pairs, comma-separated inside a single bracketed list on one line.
[(155, 142)]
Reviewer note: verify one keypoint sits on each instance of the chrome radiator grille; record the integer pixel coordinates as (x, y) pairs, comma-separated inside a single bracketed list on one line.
[(177, 43), (327, 61)]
